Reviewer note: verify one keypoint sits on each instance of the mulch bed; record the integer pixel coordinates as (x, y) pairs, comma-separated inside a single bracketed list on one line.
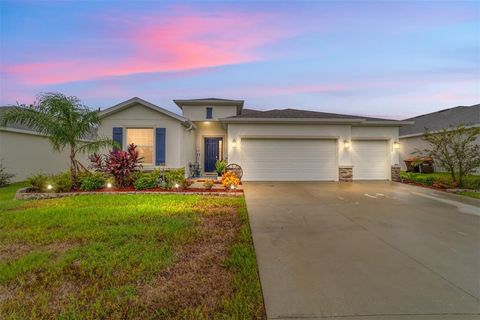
[(418, 184), (159, 190)]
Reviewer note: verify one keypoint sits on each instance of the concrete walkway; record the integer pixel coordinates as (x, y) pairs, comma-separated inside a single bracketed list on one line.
[(365, 250)]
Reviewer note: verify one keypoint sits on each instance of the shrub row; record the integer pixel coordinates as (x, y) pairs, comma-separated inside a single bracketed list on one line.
[(165, 179), (441, 180)]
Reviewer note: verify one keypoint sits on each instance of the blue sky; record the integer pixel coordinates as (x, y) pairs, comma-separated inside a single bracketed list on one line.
[(376, 58)]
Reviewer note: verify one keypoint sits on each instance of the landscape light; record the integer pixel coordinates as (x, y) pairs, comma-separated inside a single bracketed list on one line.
[(232, 187), (234, 143), (176, 185), (346, 144), (49, 187), (109, 185)]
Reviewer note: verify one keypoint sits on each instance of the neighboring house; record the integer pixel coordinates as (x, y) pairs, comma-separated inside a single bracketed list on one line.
[(411, 136), (277, 145)]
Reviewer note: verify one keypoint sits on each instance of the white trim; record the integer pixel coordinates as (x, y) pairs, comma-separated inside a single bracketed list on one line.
[(360, 122), (288, 137)]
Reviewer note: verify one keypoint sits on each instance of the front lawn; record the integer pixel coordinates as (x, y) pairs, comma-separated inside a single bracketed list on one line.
[(471, 194), (127, 257)]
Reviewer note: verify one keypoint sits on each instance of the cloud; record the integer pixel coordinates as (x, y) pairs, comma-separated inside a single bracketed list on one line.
[(184, 41)]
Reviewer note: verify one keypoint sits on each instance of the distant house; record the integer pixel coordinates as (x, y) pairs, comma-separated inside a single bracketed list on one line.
[(411, 136)]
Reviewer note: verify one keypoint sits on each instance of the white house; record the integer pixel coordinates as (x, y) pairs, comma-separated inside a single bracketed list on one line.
[(269, 145)]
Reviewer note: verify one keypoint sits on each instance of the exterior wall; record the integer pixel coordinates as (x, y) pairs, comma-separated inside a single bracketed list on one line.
[(139, 116), (189, 148), (209, 129), (25, 154), (199, 113), (338, 132)]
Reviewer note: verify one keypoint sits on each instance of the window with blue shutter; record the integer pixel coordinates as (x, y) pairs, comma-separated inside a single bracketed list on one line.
[(117, 136), (160, 146), (209, 113)]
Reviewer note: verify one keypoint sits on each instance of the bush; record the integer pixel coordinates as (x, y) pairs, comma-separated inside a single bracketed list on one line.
[(93, 181), (444, 182), (122, 165), (4, 176), (471, 182), (62, 182), (38, 182), (171, 177), (230, 180), (220, 166), (208, 184), (146, 181)]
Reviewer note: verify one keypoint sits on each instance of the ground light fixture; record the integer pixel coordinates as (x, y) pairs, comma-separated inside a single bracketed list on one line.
[(346, 144), (232, 187), (109, 185), (49, 187), (176, 185), (234, 143)]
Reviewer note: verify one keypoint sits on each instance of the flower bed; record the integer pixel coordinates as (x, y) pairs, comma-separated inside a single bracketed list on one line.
[(441, 181)]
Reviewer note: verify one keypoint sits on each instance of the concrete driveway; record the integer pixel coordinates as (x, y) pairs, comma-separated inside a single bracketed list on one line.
[(365, 250)]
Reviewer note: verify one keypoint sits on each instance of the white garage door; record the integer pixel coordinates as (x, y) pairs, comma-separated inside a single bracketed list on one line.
[(370, 160), (289, 160)]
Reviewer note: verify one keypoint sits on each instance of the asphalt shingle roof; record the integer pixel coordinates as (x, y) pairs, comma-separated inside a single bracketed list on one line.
[(467, 115), (298, 114)]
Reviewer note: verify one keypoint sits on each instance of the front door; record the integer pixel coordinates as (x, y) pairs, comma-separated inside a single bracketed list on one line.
[(213, 153)]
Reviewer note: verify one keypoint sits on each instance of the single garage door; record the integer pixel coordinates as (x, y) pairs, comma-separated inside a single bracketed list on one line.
[(370, 160), (289, 159)]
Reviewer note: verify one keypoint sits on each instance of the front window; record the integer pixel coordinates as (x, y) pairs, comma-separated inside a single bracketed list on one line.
[(143, 139)]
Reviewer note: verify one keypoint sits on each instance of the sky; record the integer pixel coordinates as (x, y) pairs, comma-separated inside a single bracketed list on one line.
[(374, 58)]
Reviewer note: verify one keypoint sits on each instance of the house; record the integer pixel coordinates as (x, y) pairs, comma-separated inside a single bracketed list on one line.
[(284, 145), (411, 136)]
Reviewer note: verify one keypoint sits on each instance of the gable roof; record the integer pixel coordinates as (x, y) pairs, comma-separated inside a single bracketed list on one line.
[(135, 100), (296, 115), (210, 101), (467, 115)]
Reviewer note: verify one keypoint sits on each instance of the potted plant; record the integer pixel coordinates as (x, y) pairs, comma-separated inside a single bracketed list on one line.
[(220, 167)]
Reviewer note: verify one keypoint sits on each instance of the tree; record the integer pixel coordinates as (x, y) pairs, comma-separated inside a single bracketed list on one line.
[(65, 121), (455, 149)]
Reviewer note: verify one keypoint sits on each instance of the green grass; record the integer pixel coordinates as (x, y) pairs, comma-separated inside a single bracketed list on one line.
[(90, 257), (475, 195)]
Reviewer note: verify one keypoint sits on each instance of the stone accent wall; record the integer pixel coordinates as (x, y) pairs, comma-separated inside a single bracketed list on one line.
[(345, 174), (396, 173)]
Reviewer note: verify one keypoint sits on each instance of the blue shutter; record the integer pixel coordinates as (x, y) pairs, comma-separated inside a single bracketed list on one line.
[(160, 147), (118, 136)]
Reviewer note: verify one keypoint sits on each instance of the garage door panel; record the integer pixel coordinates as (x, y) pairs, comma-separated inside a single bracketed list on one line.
[(370, 160), (287, 160)]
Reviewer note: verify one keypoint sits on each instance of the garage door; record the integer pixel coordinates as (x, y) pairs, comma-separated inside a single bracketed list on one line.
[(289, 159), (370, 160)]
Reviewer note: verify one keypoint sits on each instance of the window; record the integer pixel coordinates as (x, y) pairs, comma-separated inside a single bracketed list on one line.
[(209, 113), (143, 139)]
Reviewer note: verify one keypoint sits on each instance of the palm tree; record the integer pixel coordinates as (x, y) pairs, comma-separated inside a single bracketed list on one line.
[(65, 121)]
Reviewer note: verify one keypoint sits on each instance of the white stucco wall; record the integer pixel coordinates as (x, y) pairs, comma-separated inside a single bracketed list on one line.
[(139, 116), (199, 113), (338, 132), (25, 154)]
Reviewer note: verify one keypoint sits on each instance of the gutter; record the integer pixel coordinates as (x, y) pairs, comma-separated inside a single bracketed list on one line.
[(358, 122)]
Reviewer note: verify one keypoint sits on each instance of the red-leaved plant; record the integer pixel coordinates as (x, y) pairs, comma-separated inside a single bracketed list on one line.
[(120, 164)]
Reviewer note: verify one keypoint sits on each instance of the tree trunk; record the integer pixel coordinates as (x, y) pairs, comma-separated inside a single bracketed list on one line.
[(73, 166)]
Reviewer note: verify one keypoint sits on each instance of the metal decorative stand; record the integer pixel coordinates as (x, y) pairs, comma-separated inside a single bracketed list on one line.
[(194, 167)]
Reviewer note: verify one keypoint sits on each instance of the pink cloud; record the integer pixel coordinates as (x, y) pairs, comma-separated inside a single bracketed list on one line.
[(164, 44)]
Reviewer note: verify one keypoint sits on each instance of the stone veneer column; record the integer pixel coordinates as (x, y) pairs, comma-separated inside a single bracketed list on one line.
[(395, 173), (345, 173)]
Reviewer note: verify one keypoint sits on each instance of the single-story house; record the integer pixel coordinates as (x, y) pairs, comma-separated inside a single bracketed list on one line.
[(411, 136), (283, 145)]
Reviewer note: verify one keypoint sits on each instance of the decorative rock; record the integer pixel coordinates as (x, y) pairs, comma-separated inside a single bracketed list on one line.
[(396, 173), (345, 173)]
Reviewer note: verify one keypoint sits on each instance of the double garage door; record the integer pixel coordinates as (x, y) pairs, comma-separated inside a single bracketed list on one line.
[(308, 159)]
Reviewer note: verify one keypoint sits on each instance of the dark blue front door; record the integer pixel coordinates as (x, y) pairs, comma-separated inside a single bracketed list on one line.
[(212, 150)]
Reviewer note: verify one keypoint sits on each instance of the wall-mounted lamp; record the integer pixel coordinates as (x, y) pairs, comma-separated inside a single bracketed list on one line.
[(346, 144), (234, 143), (396, 145)]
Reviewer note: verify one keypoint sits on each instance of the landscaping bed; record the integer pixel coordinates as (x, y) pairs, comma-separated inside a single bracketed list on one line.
[(135, 256)]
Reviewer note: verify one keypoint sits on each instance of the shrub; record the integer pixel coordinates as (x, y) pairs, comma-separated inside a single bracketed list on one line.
[(93, 181), (230, 180), (146, 181), (471, 182), (62, 182), (444, 182), (208, 184), (38, 182), (187, 183), (220, 166), (122, 165), (4, 176), (172, 177)]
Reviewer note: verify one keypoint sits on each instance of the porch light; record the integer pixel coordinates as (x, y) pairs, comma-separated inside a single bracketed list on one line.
[(49, 187), (234, 143), (396, 145), (346, 144), (109, 185)]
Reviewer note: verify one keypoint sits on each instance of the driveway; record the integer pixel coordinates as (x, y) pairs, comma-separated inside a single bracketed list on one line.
[(365, 250)]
